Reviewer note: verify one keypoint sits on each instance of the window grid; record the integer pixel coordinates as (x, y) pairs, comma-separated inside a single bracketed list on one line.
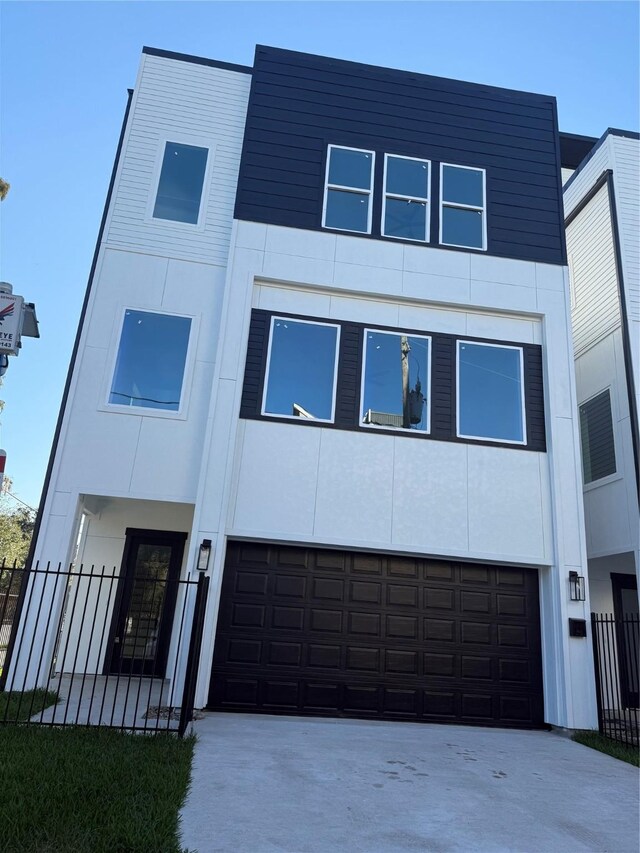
[(408, 198), (348, 189)]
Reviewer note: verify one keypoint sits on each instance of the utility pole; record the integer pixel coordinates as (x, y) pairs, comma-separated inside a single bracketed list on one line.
[(404, 350)]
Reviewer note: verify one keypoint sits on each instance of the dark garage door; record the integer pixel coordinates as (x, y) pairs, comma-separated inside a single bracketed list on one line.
[(319, 632)]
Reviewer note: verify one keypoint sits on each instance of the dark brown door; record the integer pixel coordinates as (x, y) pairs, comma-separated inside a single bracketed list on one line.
[(336, 633), (627, 616), (145, 602)]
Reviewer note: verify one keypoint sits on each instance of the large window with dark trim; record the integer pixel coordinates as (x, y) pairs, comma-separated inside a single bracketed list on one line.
[(181, 183), (301, 370), (596, 437), (395, 381), (345, 375), (151, 360), (348, 189), (490, 398)]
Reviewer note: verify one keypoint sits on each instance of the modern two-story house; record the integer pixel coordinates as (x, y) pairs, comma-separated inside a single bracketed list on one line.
[(328, 333)]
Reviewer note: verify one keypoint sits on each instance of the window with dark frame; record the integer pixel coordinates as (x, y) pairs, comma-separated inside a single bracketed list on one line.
[(596, 438)]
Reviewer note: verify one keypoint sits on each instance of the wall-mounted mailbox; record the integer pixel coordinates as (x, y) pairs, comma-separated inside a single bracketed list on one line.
[(577, 628)]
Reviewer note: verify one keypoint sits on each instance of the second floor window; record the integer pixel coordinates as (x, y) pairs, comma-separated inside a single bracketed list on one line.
[(348, 189), (596, 437)]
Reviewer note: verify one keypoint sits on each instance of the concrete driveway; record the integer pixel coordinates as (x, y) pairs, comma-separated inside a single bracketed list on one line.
[(295, 785)]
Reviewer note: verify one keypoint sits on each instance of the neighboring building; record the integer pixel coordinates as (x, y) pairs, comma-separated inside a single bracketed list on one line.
[(328, 329), (602, 209)]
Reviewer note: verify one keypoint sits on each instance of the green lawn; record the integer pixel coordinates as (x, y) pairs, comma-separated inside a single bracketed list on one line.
[(20, 706), (76, 790), (597, 741)]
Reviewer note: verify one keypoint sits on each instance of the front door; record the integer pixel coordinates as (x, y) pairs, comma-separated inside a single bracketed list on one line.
[(145, 602), (626, 611)]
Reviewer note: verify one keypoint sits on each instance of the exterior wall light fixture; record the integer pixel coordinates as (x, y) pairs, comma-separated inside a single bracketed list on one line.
[(203, 555), (576, 587)]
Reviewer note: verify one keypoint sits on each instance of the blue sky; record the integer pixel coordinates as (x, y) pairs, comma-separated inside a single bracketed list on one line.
[(65, 69)]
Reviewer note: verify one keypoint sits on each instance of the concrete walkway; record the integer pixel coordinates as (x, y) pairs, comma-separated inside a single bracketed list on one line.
[(294, 785)]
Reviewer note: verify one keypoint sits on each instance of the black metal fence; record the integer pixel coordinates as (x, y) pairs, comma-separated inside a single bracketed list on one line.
[(86, 646), (615, 651)]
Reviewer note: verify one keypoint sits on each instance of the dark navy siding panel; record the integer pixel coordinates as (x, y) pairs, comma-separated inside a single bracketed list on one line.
[(301, 103)]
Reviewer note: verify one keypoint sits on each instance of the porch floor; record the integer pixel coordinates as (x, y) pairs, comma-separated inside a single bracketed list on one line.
[(128, 702)]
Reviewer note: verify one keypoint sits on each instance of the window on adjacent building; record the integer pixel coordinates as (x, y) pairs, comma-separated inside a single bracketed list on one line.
[(181, 183), (405, 212), (596, 436), (348, 189), (301, 370), (395, 381), (151, 361), (490, 398), (462, 207)]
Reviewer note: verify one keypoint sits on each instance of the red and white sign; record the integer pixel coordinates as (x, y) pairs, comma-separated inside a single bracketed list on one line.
[(10, 322)]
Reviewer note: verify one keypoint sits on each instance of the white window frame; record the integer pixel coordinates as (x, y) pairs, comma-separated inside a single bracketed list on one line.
[(295, 418), (340, 187), (523, 403), (181, 139), (409, 198), (618, 473), (483, 209), (187, 377), (379, 427)]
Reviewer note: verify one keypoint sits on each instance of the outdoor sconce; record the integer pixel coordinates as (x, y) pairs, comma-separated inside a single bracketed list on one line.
[(576, 586), (203, 555)]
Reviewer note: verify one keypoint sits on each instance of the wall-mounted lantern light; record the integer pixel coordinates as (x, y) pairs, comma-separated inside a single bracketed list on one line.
[(576, 586), (203, 555)]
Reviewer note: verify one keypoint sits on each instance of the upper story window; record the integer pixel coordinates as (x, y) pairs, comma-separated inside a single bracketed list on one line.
[(596, 437), (490, 399), (462, 207), (181, 183), (348, 189), (151, 360), (395, 381), (301, 372), (405, 211)]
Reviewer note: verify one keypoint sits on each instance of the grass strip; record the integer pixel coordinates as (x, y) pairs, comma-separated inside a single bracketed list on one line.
[(78, 790), (595, 740), (17, 706)]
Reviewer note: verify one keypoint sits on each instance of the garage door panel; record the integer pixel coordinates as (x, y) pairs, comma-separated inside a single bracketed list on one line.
[(377, 637)]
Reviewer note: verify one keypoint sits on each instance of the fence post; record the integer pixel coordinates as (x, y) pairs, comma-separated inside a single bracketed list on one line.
[(195, 644), (596, 669)]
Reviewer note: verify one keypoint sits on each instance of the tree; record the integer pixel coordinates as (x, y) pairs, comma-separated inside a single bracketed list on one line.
[(4, 188), (16, 530)]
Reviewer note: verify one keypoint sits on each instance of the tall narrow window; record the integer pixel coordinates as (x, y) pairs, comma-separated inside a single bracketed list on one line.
[(462, 207), (302, 365), (405, 212), (395, 381), (490, 383), (348, 189), (596, 436), (151, 361), (181, 182)]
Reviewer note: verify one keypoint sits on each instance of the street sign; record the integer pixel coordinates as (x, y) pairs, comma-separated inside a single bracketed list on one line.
[(10, 323)]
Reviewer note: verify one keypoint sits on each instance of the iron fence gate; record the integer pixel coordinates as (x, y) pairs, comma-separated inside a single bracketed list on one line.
[(615, 652), (90, 647)]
